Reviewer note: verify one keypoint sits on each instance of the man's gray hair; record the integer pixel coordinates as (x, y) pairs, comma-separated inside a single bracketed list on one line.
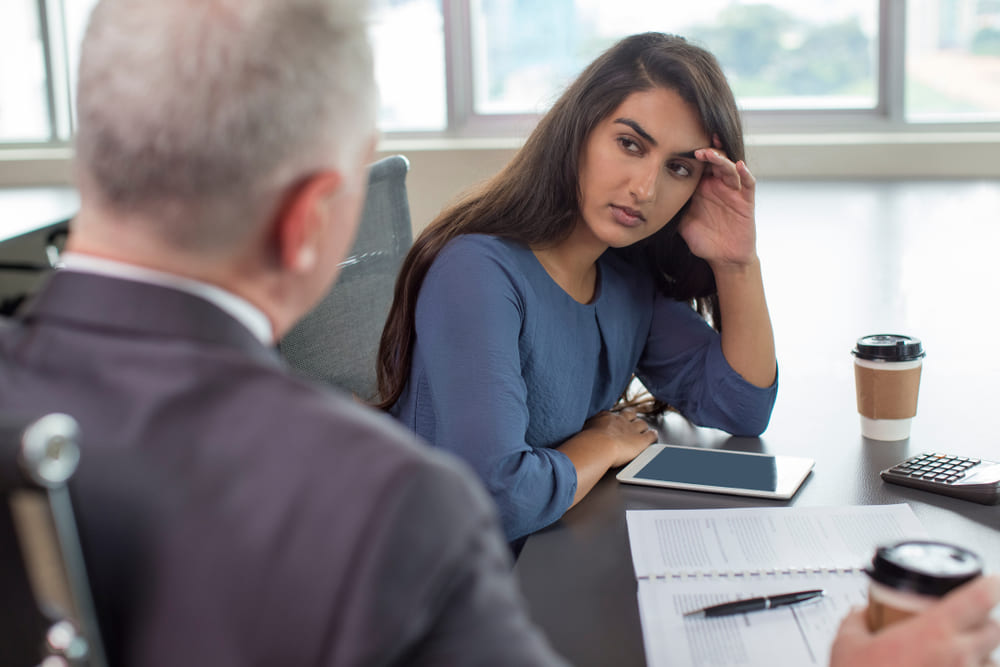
[(198, 114)]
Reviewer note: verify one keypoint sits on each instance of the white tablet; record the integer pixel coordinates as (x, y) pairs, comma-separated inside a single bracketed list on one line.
[(718, 471)]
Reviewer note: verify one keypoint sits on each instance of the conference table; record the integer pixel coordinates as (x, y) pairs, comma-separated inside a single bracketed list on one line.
[(27, 209), (840, 260)]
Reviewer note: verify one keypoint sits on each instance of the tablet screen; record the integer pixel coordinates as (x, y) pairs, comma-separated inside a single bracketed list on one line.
[(707, 467)]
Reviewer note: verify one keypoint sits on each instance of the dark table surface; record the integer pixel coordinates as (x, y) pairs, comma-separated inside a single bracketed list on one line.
[(840, 261)]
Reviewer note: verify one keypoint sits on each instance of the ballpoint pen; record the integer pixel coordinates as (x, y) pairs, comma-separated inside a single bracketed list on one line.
[(756, 604)]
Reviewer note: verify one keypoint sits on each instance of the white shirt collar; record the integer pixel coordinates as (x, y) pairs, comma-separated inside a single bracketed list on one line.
[(252, 317)]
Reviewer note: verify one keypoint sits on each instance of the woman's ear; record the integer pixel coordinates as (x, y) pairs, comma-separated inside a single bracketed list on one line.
[(301, 221)]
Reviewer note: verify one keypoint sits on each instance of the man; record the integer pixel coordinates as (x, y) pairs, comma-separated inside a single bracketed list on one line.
[(955, 631), (220, 162)]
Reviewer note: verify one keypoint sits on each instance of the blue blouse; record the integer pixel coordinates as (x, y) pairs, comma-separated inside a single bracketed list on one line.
[(507, 366)]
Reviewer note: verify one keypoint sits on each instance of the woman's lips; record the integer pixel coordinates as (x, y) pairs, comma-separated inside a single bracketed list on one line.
[(626, 216)]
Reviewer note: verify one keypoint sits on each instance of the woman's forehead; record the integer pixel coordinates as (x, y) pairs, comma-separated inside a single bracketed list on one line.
[(660, 115)]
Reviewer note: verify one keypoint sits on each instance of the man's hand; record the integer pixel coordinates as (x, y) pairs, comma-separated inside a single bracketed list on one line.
[(955, 632)]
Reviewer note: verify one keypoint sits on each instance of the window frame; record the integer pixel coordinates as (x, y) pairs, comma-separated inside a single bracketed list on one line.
[(464, 123), (57, 94), (888, 114)]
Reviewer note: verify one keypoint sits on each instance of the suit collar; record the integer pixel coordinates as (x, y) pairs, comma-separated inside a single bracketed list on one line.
[(137, 309), (244, 311)]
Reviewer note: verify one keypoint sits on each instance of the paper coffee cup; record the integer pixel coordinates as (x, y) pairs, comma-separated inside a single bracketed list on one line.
[(887, 379), (909, 576)]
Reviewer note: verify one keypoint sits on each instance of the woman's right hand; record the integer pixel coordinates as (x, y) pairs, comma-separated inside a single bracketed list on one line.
[(627, 432), (608, 440)]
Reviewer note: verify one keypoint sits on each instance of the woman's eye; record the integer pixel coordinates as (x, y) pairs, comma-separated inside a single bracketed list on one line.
[(629, 145), (679, 169)]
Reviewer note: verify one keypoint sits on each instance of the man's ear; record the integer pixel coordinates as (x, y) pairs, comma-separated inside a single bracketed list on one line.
[(300, 223)]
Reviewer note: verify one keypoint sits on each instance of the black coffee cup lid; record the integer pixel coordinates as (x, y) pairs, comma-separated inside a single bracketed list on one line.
[(888, 347), (924, 567)]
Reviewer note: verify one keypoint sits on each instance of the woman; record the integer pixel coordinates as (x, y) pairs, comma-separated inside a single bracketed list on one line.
[(522, 312)]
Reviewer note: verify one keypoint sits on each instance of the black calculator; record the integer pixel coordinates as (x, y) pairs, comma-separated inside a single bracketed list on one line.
[(964, 477)]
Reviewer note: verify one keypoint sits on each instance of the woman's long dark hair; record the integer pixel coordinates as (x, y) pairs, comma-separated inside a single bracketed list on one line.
[(535, 199)]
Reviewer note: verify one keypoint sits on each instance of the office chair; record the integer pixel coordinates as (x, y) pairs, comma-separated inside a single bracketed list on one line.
[(47, 614), (54, 236), (337, 341)]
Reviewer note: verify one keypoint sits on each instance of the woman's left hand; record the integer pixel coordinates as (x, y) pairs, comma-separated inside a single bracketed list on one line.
[(719, 225)]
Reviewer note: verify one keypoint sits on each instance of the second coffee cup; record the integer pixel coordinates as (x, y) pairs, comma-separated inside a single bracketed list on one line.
[(909, 576)]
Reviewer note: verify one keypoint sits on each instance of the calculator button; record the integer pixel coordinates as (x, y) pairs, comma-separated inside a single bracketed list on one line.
[(953, 478)]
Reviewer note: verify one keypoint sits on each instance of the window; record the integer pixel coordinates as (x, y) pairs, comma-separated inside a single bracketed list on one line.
[(784, 54), (953, 61), (24, 113), (407, 37), (475, 67), (408, 41)]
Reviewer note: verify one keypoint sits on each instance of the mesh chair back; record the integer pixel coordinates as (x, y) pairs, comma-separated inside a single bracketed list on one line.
[(337, 341), (24, 261)]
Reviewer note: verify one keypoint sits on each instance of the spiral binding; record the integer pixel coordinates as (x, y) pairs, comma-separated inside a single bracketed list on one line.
[(746, 574)]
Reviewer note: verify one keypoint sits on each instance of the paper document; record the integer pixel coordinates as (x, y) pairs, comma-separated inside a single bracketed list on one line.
[(688, 559)]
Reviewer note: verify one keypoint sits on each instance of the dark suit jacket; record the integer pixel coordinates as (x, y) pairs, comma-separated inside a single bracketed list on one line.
[(304, 529)]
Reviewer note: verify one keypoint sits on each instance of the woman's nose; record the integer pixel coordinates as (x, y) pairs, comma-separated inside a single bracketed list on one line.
[(643, 186)]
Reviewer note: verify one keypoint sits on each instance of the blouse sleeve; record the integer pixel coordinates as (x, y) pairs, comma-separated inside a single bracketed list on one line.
[(469, 318), (683, 365)]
